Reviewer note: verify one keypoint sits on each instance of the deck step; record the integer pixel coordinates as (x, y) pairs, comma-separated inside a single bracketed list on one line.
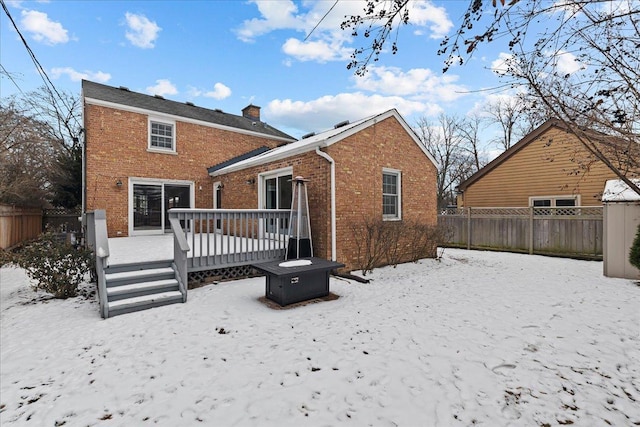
[(138, 276), (142, 288), (144, 302), (139, 286)]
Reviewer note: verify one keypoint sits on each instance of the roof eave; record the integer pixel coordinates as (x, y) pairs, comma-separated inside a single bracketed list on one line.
[(322, 143)]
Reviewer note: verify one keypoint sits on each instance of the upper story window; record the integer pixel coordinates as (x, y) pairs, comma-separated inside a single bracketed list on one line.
[(391, 194), (162, 136)]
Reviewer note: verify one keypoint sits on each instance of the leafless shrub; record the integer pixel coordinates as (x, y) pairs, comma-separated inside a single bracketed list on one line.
[(425, 240), (381, 243), (371, 244)]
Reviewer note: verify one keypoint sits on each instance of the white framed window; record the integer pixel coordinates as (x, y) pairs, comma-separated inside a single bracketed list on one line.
[(554, 201), (556, 205), (391, 194), (162, 135)]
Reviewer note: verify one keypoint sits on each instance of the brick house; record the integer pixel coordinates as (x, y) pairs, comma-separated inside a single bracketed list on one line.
[(374, 168), (549, 167), (145, 154)]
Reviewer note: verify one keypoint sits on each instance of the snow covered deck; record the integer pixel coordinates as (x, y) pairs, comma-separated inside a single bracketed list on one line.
[(223, 248)]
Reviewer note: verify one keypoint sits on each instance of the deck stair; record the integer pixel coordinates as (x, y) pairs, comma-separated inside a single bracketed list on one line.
[(135, 287)]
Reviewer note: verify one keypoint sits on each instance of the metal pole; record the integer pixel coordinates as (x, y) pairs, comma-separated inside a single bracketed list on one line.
[(299, 219)]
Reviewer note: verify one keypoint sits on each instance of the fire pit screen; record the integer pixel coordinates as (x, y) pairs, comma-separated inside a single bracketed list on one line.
[(299, 245)]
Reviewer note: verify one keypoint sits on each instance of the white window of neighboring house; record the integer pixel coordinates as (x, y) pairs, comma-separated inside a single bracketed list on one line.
[(558, 202), (162, 135), (391, 194), (554, 201)]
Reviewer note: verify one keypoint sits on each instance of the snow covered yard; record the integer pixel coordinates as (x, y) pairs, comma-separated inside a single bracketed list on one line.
[(481, 338)]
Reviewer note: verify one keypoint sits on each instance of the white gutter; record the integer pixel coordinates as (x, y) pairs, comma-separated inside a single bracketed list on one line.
[(333, 200)]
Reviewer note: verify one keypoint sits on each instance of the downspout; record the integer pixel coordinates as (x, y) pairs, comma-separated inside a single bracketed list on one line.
[(333, 200)]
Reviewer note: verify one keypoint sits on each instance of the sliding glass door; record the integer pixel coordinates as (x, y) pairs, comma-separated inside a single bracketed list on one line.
[(276, 194), (150, 202)]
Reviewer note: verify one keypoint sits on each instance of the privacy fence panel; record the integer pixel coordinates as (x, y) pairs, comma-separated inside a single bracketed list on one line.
[(575, 231), (18, 225)]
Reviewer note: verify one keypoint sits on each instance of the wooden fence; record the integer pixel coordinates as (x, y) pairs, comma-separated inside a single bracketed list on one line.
[(18, 225), (567, 231)]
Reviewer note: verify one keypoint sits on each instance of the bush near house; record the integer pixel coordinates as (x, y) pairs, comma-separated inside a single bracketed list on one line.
[(382, 243), (56, 266), (634, 253)]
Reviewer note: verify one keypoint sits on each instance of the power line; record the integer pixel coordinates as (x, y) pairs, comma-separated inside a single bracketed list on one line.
[(321, 19), (43, 74), (6, 72)]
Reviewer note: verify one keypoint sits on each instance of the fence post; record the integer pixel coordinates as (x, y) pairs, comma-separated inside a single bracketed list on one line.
[(531, 230), (469, 227)]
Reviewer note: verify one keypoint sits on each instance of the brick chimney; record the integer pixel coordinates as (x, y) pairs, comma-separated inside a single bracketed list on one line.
[(251, 112)]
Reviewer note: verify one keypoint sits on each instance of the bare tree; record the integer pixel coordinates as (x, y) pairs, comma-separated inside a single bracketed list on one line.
[(41, 149), (447, 145), (577, 59), (506, 112), (469, 131), (26, 157)]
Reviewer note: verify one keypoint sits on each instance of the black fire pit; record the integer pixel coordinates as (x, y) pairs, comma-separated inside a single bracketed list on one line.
[(288, 285)]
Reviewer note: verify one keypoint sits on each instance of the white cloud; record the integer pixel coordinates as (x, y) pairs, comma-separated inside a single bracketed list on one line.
[(319, 51), (42, 29), (142, 32), (76, 76), (219, 91), (502, 64), (322, 113), (275, 15), (328, 42), (567, 63), (417, 83), (425, 14), (508, 99), (163, 87)]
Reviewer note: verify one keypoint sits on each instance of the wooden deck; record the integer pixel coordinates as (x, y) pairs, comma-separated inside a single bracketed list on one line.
[(216, 247)]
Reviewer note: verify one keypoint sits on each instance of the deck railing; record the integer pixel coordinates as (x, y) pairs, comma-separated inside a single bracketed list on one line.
[(97, 240), (219, 238)]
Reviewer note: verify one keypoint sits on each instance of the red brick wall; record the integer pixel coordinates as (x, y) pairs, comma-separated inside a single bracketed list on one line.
[(360, 159), (359, 162), (237, 194), (116, 145)]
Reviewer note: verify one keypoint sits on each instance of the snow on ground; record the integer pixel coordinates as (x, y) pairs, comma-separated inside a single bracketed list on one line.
[(481, 338)]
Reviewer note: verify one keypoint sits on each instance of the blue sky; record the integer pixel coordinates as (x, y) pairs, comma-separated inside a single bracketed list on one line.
[(228, 54)]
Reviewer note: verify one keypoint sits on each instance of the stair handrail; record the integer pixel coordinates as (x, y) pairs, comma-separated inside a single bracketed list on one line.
[(180, 249), (100, 241)]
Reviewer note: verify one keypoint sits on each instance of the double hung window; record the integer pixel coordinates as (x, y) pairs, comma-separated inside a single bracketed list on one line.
[(161, 136), (391, 194)]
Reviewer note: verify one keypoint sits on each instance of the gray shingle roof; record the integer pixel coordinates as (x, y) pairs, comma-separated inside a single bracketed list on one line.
[(126, 97), (237, 159)]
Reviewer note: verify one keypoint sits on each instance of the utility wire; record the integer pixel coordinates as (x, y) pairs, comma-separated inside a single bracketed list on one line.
[(6, 72), (47, 81), (320, 21)]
